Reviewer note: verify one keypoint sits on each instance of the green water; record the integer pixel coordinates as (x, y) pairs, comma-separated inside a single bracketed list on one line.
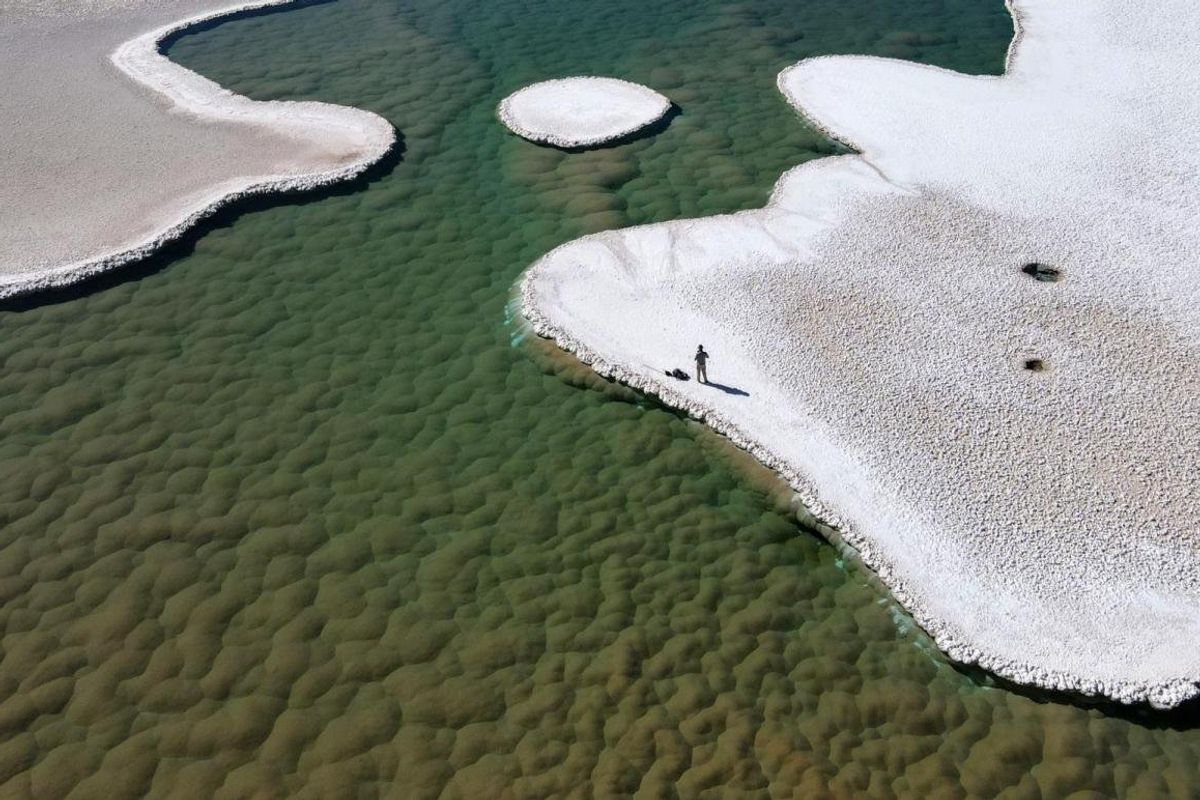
[(299, 514)]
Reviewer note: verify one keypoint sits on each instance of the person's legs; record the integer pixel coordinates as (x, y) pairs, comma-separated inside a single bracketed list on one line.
[(702, 373)]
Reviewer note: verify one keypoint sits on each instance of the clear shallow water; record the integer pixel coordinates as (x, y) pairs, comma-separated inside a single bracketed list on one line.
[(293, 516)]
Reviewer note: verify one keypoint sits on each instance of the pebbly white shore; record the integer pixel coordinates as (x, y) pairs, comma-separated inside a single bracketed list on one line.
[(581, 111), (111, 150), (1043, 524)]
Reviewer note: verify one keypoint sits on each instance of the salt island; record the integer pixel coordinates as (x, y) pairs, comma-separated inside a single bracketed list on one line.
[(581, 111), (973, 347), (111, 150)]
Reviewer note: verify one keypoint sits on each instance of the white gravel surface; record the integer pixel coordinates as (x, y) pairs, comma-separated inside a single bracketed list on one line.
[(581, 111), (1044, 525), (110, 149)]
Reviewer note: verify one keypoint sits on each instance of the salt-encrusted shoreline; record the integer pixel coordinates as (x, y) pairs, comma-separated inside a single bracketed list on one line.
[(1164, 695), (356, 139), (581, 111), (1036, 582)]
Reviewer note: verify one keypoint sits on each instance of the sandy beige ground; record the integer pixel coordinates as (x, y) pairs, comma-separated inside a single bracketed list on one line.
[(111, 149), (873, 325)]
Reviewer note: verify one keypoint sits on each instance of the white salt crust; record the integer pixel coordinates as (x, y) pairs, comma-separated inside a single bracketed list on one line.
[(1043, 525), (301, 145), (581, 111)]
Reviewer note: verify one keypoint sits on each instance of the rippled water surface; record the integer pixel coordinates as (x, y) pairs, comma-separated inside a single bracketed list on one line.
[(295, 511)]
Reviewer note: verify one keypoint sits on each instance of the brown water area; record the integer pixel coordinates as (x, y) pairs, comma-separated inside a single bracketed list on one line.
[(297, 509)]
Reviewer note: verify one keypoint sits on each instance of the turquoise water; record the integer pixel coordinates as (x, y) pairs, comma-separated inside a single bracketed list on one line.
[(297, 510)]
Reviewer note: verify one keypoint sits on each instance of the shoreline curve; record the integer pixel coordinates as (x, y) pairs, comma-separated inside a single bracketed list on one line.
[(143, 61), (537, 307)]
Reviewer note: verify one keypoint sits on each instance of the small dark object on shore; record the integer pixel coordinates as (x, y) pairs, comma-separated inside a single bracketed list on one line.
[(1035, 365), (678, 374), (1041, 272)]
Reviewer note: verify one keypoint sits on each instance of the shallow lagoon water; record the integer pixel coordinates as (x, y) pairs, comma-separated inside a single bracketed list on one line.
[(299, 512)]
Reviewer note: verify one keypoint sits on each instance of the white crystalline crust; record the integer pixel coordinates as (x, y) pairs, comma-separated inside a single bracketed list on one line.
[(1043, 525), (153, 147), (581, 111)]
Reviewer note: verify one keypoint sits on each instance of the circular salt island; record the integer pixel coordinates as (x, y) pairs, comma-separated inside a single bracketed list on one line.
[(582, 111)]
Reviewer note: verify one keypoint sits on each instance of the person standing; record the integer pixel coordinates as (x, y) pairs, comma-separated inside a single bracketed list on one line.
[(701, 365)]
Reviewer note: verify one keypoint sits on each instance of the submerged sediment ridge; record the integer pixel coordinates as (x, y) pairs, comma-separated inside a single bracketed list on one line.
[(104, 166), (1014, 457)]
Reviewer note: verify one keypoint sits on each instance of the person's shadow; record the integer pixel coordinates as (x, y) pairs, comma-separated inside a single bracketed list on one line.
[(728, 389)]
